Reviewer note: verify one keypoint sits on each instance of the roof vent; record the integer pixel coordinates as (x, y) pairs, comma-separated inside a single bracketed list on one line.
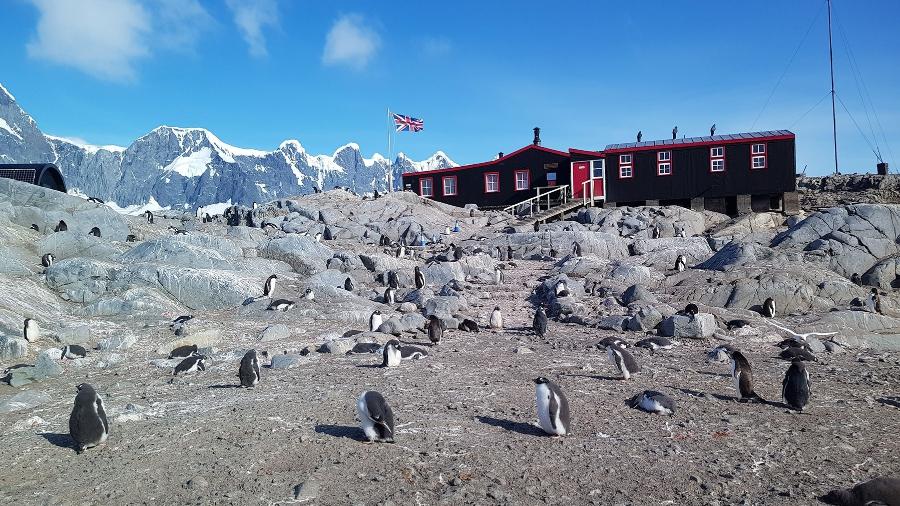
[(500, 155), (537, 136)]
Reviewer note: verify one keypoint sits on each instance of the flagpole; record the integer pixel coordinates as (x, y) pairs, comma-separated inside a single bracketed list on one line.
[(390, 174)]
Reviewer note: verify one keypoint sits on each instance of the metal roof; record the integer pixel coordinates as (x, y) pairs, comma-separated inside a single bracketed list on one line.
[(697, 140)]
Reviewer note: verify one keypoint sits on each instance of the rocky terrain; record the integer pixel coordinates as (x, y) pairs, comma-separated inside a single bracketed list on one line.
[(466, 422), (828, 191)]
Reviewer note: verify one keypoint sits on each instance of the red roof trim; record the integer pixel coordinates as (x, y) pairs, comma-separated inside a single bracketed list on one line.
[(668, 147), (487, 164), (574, 151)]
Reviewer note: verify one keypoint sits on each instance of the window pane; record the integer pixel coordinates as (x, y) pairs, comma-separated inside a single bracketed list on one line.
[(624, 158)]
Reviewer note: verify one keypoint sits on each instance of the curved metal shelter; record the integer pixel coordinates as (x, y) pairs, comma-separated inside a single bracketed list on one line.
[(40, 174)]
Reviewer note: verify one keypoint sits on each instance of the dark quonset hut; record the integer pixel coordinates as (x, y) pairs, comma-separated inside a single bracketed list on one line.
[(725, 173), (40, 174), (501, 182)]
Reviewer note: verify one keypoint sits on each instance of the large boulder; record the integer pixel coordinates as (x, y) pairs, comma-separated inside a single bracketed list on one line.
[(885, 274), (697, 327), (199, 251), (303, 254), (12, 347)]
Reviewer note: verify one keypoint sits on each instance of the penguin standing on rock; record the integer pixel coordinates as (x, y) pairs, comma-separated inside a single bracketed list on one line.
[(73, 351), (375, 320), (375, 417), (552, 407), (742, 375), (655, 233), (248, 372), (47, 260), (691, 310), (419, 277), (269, 286), (680, 263), (435, 329), (149, 216), (390, 295), (348, 284), (498, 275), (562, 289), (87, 423), (540, 322), (795, 389), (31, 332), (576, 249), (309, 294), (624, 361), (652, 401), (768, 308), (496, 319), (875, 301)]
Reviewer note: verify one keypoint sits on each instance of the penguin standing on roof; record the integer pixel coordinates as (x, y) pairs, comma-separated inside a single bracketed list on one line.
[(742, 375), (795, 389), (269, 286), (419, 277), (248, 372), (552, 407), (87, 423), (768, 308)]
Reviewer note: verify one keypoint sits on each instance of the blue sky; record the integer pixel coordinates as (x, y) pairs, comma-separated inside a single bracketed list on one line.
[(481, 74)]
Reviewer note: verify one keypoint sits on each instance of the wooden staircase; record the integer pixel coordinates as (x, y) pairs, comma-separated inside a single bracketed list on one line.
[(543, 207)]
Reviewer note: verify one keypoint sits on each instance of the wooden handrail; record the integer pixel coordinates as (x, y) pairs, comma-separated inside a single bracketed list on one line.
[(533, 200)]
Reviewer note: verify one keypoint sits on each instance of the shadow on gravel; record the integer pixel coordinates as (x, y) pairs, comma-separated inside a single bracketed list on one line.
[(719, 374), (346, 431), (890, 401), (697, 393), (60, 440), (522, 428), (224, 386), (595, 376)]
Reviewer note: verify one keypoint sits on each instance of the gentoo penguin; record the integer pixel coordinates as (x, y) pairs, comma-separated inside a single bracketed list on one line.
[(768, 308), (720, 353), (384, 241), (391, 354), (509, 252), (680, 263), (408, 352), (652, 401), (193, 363), (468, 325), (87, 423), (131, 238), (562, 289), (31, 332), (149, 216), (691, 310), (793, 343), (496, 319), (318, 237), (248, 372), (655, 233), (736, 324), (458, 253), (498, 275), (375, 320), (576, 249), (742, 376), (435, 329), (611, 341), (364, 348), (95, 232), (309, 294), (375, 417), (47, 259), (35, 227), (419, 277), (280, 305), (875, 301), (390, 295), (73, 351), (269, 286), (854, 278), (540, 322), (552, 407), (393, 280), (681, 232), (95, 200), (183, 351), (61, 227), (348, 284), (655, 343), (400, 252), (796, 353), (884, 490), (795, 388), (624, 361), (255, 206)]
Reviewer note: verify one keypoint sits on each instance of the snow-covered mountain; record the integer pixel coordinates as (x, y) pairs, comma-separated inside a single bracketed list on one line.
[(191, 167)]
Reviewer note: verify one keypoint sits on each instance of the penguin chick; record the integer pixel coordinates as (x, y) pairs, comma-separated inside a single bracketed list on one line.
[(496, 319), (87, 423), (540, 322), (795, 388), (248, 372), (742, 375)]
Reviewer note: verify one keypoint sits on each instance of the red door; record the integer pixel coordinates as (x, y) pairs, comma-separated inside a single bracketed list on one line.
[(581, 172)]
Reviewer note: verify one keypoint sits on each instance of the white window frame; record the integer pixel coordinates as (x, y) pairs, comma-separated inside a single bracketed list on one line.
[(758, 158), (496, 176), (625, 159), (717, 152), (527, 181), (712, 165), (663, 156), (422, 186), (445, 180), (664, 163), (626, 171), (754, 151)]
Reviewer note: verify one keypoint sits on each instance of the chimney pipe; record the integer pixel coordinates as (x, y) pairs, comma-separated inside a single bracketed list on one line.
[(537, 136), (500, 155)]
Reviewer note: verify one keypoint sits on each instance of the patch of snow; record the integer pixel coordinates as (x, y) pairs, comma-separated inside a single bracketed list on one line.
[(138, 209), (214, 209), (90, 148), (192, 165), (4, 90), (5, 126), (262, 187), (292, 142), (226, 151), (376, 159), (77, 193), (351, 145)]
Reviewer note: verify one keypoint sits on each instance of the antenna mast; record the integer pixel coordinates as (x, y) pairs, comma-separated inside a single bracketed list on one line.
[(833, 111)]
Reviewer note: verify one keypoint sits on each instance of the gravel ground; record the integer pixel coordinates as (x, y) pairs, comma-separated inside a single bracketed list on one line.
[(466, 425)]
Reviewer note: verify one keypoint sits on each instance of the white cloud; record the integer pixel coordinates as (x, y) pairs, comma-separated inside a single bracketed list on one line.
[(106, 38), (103, 38), (436, 47), (350, 42), (251, 16)]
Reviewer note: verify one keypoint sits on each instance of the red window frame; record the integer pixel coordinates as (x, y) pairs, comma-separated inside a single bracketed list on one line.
[(764, 154), (422, 186), (516, 173), (660, 162), (629, 165), (713, 157), (444, 180), (486, 174)]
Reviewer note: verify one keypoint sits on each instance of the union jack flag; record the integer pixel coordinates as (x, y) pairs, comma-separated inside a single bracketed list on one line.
[(408, 123)]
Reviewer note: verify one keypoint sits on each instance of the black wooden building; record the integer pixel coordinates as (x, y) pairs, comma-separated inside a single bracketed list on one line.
[(732, 174), (40, 174)]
